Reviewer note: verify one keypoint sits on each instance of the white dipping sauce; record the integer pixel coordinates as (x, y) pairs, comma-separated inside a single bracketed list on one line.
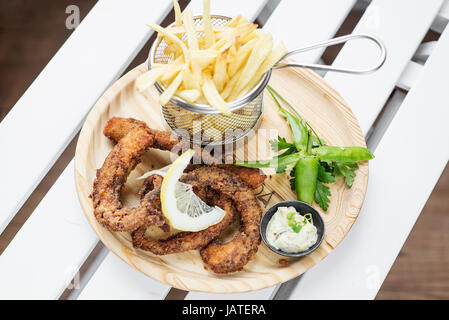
[(281, 236)]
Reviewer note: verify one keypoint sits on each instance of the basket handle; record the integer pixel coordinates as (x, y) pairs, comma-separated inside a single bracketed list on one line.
[(331, 42)]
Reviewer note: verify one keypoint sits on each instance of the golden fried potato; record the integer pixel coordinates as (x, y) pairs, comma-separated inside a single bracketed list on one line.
[(211, 64)]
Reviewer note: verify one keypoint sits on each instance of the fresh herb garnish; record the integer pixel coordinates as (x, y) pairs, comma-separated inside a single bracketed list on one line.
[(322, 194), (280, 144), (293, 179), (297, 225), (324, 174), (281, 169), (308, 217), (347, 170), (314, 163)]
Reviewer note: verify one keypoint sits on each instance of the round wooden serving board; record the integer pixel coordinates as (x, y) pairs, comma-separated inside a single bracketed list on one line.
[(318, 103)]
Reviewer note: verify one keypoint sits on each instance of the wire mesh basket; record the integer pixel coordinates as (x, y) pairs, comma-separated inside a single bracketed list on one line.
[(201, 123)]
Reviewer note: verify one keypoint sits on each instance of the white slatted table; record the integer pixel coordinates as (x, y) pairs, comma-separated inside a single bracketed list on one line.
[(103, 47)]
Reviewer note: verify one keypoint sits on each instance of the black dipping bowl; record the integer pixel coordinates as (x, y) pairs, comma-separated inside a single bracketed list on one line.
[(302, 208)]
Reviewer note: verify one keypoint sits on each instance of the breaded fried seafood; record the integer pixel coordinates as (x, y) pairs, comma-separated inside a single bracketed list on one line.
[(223, 185), (185, 241), (234, 255)]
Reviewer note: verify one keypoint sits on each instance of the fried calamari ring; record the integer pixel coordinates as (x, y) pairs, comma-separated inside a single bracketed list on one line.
[(150, 199), (111, 178), (116, 128), (133, 138), (149, 184), (232, 256), (186, 241)]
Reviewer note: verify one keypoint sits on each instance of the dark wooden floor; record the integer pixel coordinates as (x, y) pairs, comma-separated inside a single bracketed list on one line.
[(30, 34)]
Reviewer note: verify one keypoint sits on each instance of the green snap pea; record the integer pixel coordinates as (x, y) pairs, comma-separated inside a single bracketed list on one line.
[(342, 154), (306, 174)]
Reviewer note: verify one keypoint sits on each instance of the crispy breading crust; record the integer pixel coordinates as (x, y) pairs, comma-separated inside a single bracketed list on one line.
[(133, 139), (117, 128), (221, 258), (111, 178), (149, 184), (232, 256), (252, 177), (186, 241), (150, 199)]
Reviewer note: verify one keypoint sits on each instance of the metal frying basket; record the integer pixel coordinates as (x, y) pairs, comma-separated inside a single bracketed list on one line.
[(203, 124)]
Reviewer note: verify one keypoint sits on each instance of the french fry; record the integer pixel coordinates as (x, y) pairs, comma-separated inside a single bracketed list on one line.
[(220, 74), (219, 44), (170, 36), (230, 85), (158, 65), (192, 40), (171, 50), (188, 80), (261, 50), (196, 71), (178, 16), (215, 67), (171, 71), (240, 31), (176, 30), (212, 95), (203, 54), (241, 57), (199, 59), (271, 60), (208, 28), (250, 36), (235, 21), (189, 95), (243, 20), (277, 54), (231, 52), (165, 97), (146, 80), (202, 43), (244, 30), (192, 43), (201, 100), (203, 58)]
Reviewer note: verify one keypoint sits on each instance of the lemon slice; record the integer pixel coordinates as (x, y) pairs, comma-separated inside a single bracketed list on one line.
[(180, 205)]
